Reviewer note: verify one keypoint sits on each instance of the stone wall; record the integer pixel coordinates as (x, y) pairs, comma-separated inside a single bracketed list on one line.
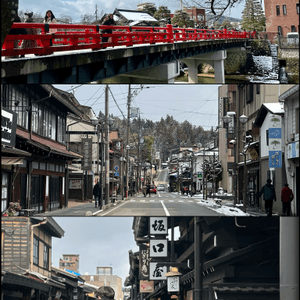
[(288, 53)]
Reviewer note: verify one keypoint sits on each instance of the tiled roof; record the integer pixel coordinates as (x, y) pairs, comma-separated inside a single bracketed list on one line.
[(45, 143)]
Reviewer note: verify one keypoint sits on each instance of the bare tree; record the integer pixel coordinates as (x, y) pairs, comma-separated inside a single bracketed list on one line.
[(216, 7)]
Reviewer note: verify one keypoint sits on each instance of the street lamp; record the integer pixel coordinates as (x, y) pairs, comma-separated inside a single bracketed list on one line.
[(173, 280), (108, 122)]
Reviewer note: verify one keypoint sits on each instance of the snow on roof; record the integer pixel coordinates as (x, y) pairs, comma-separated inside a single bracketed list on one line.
[(137, 16), (275, 108)]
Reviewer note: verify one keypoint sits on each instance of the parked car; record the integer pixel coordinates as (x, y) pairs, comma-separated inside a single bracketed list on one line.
[(152, 189), (161, 187)]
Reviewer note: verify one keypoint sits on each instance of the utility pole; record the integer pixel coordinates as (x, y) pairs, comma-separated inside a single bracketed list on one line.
[(106, 148), (96, 11), (138, 170), (127, 137)]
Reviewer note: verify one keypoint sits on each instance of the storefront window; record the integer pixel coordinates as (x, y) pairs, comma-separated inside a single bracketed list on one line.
[(35, 251), (46, 257)]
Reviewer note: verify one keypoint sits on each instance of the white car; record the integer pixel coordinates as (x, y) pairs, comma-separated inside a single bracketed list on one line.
[(161, 187)]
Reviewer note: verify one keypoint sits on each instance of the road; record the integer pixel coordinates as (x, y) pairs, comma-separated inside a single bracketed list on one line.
[(161, 204)]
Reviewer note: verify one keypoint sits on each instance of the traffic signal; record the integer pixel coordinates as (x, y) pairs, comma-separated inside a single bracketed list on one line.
[(199, 174)]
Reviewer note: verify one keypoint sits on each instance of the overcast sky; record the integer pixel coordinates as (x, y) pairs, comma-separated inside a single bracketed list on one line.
[(196, 103), (100, 242), (77, 8)]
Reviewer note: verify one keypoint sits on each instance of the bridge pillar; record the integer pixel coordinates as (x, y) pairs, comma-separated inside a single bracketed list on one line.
[(215, 59), (164, 73)]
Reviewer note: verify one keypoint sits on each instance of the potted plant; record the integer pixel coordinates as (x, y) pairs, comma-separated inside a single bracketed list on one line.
[(13, 209)]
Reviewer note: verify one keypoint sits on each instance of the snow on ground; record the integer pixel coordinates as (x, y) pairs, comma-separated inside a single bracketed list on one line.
[(228, 210)]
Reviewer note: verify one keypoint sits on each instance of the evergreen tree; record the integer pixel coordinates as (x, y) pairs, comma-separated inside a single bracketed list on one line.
[(182, 19), (162, 13), (150, 9), (253, 17)]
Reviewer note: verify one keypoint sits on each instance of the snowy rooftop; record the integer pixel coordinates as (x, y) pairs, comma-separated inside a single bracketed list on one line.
[(275, 108)]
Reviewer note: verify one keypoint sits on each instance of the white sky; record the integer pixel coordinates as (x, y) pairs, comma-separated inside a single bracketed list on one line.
[(196, 103), (77, 8), (100, 242)]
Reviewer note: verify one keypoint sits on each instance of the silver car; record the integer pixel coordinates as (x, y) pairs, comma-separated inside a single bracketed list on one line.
[(161, 187)]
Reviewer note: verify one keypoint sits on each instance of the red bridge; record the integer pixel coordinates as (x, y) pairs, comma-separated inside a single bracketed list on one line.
[(84, 41)]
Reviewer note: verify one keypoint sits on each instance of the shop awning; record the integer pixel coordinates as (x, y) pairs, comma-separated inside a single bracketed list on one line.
[(12, 160)]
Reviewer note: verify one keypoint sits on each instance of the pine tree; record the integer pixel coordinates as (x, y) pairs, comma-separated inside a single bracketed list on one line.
[(182, 19), (162, 13), (253, 17)]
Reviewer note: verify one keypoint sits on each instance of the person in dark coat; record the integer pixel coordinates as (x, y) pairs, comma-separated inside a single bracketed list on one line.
[(287, 197), (96, 193), (109, 21), (105, 293), (268, 192), (148, 190)]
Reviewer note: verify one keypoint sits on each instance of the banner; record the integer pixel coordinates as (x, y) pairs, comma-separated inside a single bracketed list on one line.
[(275, 146)]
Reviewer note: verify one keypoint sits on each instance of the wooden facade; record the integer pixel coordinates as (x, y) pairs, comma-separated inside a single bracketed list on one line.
[(233, 258), (38, 180)]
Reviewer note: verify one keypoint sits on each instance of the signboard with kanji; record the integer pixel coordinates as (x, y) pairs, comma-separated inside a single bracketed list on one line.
[(8, 127), (156, 273), (144, 260), (159, 248), (173, 284), (158, 225), (86, 163)]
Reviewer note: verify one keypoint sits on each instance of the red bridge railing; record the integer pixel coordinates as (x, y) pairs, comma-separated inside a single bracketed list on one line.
[(69, 37)]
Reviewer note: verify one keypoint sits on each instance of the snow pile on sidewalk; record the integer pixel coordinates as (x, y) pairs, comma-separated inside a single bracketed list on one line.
[(219, 208)]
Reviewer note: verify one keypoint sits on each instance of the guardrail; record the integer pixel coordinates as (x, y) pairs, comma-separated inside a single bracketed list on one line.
[(71, 37)]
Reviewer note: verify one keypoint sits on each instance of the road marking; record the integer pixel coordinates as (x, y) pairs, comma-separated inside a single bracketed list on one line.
[(171, 200), (113, 209), (132, 200), (97, 212), (165, 209), (152, 200), (180, 201), (142, 200)]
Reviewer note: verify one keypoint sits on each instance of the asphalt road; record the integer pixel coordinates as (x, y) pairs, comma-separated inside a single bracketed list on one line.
[(161, 204)]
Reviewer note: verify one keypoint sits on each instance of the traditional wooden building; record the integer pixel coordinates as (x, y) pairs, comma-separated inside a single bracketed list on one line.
[(34, 168), (26, 257), (218, 257)]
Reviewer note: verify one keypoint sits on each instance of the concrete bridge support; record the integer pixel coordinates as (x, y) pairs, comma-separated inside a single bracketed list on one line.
[(215, 59), (164, 73)]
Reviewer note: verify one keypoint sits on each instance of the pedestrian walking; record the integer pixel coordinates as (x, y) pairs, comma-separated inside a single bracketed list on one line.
[(29, 43), (108, 21), (148, 190), (50, 19), (268, 192), (287, 197), (105, 293), (96, 193)]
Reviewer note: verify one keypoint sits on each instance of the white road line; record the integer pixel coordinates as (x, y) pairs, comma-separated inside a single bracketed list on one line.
[(142, 200), (118, 206), (152, 200), (171, 200), (132, 200), (97, 212), (165, 209), (180, 201)]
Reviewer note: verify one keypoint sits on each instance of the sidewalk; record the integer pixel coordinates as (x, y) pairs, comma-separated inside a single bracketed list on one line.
[(74, 203)]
